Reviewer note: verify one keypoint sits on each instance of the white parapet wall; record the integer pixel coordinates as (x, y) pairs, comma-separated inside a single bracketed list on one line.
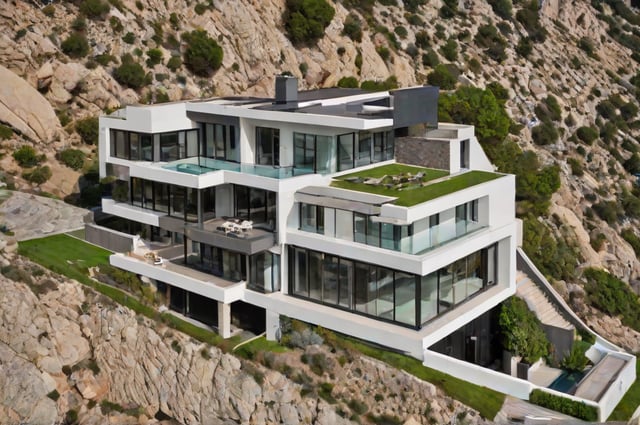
[(478, 375)]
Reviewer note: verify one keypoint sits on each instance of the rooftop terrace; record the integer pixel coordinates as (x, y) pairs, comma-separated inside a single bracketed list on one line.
[(410, 185)]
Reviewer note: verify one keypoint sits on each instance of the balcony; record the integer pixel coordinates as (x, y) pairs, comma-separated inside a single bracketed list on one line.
[(177, 274), (231, 234)]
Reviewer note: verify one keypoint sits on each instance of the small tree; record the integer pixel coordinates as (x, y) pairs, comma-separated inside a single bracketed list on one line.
[(75, 46), (521, 331), (72, 158), (94, 9), (27, 157), (154, 57), (306, 20), (442, 77), (203, 55)]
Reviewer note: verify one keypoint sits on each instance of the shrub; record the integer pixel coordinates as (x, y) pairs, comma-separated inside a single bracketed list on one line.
[(72, 158), (5, 132), (489, 38), (116, 24), (75, 46), (154, 57), (564, 405), (54, 395), (576, 167), (49, 10), (544, 134), (79, 24), (348, 82), (388, 84), (87, 128), (200, 8), (576, 360), (353, 27), (306, 20), (401, 31), (632, 239), (94, 9), (422, 39), (613, 296), (528, 17), (383, 52), (202, 55), (450, 50), (430, 59), (442, 77), (27, 157), (174, 63), (502, 8), (303, 338), (587, 134), (606, 109), (38, 175), (129, 38), (586, 44), (521, 331), (131, 74), (608, 211)]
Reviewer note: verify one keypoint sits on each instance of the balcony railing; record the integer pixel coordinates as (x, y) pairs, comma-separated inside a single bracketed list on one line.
[(201, 165)]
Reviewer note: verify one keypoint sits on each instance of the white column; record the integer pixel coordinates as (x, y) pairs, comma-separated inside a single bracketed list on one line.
[(273, 325), (224, 319)]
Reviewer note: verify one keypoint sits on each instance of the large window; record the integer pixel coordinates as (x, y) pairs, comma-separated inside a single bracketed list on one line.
[(313, 152), (220, 142), (264, 272), (220, 262), (388, 294), (267, 146), (257, 205)]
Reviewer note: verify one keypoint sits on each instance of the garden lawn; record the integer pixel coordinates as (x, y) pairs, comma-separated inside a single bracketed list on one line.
[(413, 196)]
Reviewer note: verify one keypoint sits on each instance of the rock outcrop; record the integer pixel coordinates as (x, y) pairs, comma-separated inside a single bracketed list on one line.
[(25, 109)]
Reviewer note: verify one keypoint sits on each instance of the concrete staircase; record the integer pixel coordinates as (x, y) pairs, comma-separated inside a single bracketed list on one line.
[(538, 302)]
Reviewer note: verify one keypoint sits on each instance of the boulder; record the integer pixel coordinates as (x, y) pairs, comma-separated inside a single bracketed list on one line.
[(25, 109)]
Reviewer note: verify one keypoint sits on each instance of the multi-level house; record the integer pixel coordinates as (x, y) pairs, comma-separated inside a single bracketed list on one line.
[(351, 210)]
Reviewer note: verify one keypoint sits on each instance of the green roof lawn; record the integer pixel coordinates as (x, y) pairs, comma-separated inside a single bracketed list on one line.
[(414, 195)]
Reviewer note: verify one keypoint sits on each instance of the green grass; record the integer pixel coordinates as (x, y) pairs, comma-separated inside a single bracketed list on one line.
[(396, 169), (630, 401), (486, 401), (72, 257), (414, 196), (249, 349)]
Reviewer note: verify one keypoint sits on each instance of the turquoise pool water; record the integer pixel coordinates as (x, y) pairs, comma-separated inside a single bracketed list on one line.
[(567, 381)]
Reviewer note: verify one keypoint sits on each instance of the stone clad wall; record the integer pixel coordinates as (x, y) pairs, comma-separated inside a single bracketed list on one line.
[(422, 152)]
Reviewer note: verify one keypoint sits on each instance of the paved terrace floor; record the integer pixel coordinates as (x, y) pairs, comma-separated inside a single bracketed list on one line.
[(593, 386)]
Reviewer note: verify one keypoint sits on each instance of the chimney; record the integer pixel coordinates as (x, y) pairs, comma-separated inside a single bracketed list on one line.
[(286, 89)]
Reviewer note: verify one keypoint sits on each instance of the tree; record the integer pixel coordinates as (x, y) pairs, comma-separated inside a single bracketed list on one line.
[(75, 46), (450, 50), (203, 55), (474, 106), (522, 331), (306, 20)]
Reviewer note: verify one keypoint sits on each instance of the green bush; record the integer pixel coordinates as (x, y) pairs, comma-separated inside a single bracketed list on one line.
[(5, 132), (524, 47), (352, 27), (521, 331), (75, 46), (450, 50), (384, 52), (430, 59), (587, 134), (49, 10), (442, 77), (549, 109), (72, 158), (79, 24), (576, 360), (576, 167), (129, 38), (154, 57), (27, 157), (422, 39), (613, 296), (544, 134), (388, 84), (131, 74), (494, 44), (306, 20), (174, 63), (502, 8), (609, 211), (632, 239), (564, 405), (586, 44), (38, 175), (202, 55), (401, 31), (348, 82), (94, 9), (87, 128), (529, 18)]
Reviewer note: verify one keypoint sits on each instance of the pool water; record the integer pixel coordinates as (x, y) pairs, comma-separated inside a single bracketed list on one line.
[(567, 381)]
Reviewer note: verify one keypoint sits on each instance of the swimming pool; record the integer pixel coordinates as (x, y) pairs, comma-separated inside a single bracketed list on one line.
[(567, 382)]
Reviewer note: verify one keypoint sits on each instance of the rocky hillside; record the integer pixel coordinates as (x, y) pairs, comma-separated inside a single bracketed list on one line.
[(68, 354)]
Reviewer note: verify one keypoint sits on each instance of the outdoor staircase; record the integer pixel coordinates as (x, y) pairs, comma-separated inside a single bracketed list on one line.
[(539, 303)]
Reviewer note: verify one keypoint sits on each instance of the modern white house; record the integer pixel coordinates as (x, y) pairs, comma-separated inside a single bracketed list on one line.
[(351, 210)]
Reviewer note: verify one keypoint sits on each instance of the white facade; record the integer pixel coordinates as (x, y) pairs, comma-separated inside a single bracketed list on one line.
[(238, 161)]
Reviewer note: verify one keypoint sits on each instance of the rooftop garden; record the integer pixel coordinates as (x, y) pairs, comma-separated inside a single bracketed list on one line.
[(411, 185)]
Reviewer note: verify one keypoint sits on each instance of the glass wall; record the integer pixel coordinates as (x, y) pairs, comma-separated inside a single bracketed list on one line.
[(385, 293), (363, 148), (229, 265), (418, 237), (220, 142), (177, 201), (264, 272), (256, 205), (140, 147), (314, 153)]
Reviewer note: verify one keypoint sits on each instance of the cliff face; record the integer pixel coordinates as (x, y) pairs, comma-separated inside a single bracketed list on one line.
[(64, 348)]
